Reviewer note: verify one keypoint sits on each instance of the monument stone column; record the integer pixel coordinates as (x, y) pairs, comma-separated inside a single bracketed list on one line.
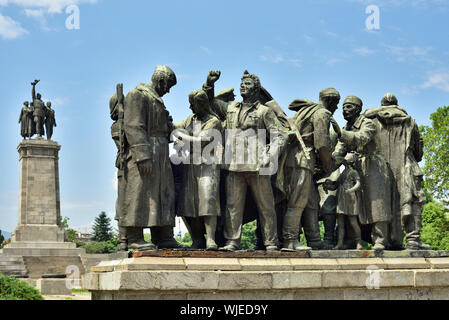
[(39, 230), (39, 202)]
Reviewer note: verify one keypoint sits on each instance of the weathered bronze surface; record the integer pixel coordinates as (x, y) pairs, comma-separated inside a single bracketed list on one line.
[(379, 189), (36, 115)]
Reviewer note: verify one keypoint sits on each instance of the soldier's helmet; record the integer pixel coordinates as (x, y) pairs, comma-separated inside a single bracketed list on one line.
[(389, 99), (329, 92), (353, 100), (113, 107)]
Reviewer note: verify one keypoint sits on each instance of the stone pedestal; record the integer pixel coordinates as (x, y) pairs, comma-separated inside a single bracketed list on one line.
[(39, 231), (274, 278)]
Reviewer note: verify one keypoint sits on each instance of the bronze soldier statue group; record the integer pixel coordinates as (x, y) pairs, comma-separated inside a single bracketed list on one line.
[(377, 197), (35, 115)]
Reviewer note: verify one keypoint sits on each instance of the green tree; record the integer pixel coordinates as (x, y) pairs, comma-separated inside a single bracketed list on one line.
[(248, 239), (102, 228), (186, 239), (71, 233), (435, 225), (14, 289), (2, 238), (436, 154)]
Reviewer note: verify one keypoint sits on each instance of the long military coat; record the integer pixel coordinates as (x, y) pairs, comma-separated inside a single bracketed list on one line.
[(363, 138), (148, 199), (402, 148)]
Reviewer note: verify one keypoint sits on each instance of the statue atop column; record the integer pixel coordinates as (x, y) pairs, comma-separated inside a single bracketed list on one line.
[(38, 110), (35, 115), (26, 121), (50, 120)]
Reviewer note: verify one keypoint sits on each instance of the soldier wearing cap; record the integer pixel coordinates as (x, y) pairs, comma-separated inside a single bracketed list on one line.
[(312, 120), (360, 135), (402, 148), (242, 118), (148, 199)]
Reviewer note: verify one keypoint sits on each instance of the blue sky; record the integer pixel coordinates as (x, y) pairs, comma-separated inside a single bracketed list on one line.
[(296, 48)]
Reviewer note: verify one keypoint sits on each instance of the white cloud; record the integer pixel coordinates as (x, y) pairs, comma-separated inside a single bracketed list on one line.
[(332, 61), (9, 28), (437, 79), (57, 102), (50, 6), (35, 13), (363, 51), (308, 38), (270, 55), (274, 58), (398, 3), (410, 54), (205, 49)]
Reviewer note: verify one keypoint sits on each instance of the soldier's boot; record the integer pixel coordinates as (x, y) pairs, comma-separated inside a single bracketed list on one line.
[(231, 245), (123, 243), (196, 231), (312, 229), (379, 235), (412, 226), (136, 240), (210, 223), (329, 223), (164, 238), (290, 231)]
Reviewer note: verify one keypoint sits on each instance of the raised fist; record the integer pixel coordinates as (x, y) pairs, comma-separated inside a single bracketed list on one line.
[(213, 76)]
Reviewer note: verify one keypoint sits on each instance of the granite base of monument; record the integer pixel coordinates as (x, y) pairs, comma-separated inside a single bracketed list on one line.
[(39, 232), (287, 277)]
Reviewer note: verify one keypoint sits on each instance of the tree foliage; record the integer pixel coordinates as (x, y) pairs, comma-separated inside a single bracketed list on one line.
[(71, 233), (102, 230), (436, 154), (14, 289), (435, 225), (248, 239), (100, 246)]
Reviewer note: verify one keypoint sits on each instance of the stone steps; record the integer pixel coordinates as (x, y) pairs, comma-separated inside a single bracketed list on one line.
[(43, 251), (12, 265)]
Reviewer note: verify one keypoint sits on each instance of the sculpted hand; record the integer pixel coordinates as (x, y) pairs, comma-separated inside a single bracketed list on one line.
[(336, 127), (213, 76), (265, 160), (145, 167)]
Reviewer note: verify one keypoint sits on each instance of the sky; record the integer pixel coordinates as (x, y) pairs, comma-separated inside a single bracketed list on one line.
[(295, 47)]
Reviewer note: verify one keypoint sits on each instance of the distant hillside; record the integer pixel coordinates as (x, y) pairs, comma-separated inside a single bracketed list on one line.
[(6, 235)]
